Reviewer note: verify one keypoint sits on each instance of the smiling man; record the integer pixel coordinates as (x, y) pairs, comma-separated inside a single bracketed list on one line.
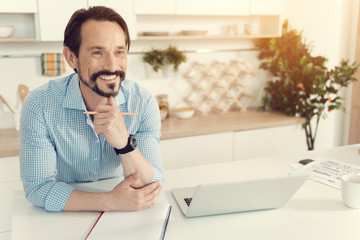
[(61, 145)]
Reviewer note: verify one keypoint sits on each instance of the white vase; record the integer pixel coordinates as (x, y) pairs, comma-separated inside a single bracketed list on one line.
[(150, 72), (168, 71)]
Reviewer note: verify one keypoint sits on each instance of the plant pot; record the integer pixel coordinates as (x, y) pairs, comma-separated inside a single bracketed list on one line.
[(168, 71), (150, 72)]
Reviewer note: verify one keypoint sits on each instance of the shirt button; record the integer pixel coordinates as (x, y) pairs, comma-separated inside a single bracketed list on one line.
[(97, 141), (96, 159), (94, 173)]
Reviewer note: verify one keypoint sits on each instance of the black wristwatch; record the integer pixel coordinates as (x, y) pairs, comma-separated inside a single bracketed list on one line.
[(131, 145)]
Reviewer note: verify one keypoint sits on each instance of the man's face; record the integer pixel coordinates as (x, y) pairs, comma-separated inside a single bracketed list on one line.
[(102, 60)]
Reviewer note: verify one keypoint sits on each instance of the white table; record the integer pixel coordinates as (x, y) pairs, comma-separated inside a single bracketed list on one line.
[(315, 211)]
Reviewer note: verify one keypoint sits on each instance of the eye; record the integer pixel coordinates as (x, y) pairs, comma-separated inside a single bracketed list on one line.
[(121, 52), (97, 53)]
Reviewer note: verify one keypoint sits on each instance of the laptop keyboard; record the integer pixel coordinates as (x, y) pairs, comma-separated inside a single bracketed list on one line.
[(188, 201)]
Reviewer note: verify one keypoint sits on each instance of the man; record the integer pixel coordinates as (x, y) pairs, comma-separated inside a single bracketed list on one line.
[(61, 145)]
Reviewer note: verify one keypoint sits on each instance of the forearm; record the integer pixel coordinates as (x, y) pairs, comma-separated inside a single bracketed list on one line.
[(86, 201), (135, 162)]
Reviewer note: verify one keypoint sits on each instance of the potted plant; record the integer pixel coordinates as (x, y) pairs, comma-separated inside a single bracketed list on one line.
[(154, 57), (302, 85), (174, 57)]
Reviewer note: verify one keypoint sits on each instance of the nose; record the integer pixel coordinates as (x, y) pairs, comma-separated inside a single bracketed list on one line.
[(110, 63)]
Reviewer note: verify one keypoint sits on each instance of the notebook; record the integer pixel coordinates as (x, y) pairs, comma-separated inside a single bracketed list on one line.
[(221, 198), (149, 224)]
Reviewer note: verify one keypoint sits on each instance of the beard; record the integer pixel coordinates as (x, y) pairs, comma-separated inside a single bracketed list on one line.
[(92, 84)]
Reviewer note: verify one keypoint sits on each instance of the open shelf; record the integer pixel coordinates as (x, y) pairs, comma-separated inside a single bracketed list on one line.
[(18, 39), (205, 37)]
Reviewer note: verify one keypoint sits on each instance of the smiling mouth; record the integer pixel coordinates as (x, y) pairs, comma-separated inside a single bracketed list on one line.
[(108, 77)]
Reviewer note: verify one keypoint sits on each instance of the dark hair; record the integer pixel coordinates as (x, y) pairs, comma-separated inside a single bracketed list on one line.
[(72, 34)]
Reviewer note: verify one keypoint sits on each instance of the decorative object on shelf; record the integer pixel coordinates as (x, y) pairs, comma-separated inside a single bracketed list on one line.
[(155, 58), (6, 31), (163, 102), (174, 57), (252, 28), (302, 86), (158, 58), (52, 64), (219, 86), (194, 32), (155, 34)]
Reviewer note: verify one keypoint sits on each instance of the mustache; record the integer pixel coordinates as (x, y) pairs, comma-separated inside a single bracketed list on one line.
[(119, 73)]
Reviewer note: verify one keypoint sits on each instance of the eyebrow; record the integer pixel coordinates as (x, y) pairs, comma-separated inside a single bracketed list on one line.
[(102, 48)]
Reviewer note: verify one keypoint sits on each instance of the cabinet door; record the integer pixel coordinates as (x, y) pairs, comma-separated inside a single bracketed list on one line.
[(267, 7), (197, 150), (18, 6), (232, 7), (125, 8), (269, 141), (198, 7), (54, 16), (154, 7)]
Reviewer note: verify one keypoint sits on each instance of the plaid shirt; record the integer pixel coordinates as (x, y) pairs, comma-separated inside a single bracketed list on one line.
[(59, 146)]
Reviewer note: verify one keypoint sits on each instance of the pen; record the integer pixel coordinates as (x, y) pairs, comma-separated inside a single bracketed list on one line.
[(122, 113)]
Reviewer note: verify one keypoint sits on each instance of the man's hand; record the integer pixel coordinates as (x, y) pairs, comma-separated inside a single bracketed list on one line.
[(110, 123), (126, 198)]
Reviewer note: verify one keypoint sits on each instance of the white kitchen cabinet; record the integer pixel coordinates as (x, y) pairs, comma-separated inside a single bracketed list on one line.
[(54, 16), (154, 7), (7, 189), (198, 7), (232, 7), (197, 150), (125, 8), (230, 146), (267, 7), (18, 6), (21, 15), (9, 182), (269, 141), (9, 169)]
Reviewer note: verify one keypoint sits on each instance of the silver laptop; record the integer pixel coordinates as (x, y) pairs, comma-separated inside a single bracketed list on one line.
[(220, 198)]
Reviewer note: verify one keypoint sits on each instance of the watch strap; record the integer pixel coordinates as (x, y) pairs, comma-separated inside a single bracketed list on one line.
[(129, 146)]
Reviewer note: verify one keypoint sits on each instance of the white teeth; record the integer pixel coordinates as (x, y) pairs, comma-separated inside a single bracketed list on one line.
[(107, 77)]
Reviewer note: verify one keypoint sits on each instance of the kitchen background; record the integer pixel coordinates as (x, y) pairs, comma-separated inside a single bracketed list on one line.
[(329, 25)]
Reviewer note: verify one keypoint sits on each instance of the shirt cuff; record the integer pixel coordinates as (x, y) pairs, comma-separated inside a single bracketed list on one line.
[(157, 176), (58, 196)]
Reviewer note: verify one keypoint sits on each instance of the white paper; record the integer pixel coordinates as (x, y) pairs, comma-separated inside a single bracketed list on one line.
[(145, 224)]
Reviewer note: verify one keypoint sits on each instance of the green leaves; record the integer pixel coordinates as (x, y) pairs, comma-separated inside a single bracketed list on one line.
[(158, 58), (303, 84)]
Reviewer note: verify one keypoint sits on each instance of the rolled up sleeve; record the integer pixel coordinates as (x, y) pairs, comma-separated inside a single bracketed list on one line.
[(38, 160), (148, 138)]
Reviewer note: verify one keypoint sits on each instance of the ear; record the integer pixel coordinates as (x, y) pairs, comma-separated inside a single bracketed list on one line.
[(70, 58)]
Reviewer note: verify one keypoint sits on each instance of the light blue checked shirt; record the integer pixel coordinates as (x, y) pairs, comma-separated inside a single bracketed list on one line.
[(59, 146)]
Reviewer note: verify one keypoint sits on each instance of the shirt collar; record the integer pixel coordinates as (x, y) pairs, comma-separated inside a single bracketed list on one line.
[(73, 97)]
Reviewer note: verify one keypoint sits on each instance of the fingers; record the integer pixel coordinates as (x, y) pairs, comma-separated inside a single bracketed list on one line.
[(150, 188), (151, 197), (111, 101), (126, 198)]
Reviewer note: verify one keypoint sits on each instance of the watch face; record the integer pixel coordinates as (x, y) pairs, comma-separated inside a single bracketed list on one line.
[(133, 142)]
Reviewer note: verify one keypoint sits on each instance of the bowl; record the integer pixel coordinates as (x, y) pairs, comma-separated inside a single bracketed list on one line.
[(6, 31), (184, 112), (194, 32)]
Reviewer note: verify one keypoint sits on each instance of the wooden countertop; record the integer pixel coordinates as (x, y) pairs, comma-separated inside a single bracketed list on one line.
[(217, 123), (176, 128), (9, 142)]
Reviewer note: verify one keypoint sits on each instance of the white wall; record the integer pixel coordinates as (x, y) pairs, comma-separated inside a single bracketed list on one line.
[(322, 22)]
